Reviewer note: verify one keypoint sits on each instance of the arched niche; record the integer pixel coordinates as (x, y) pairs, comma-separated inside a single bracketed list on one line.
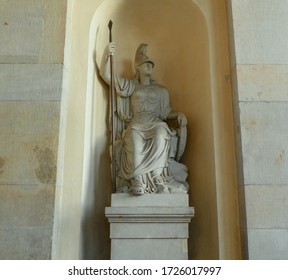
[(188, 41), (179, 45)]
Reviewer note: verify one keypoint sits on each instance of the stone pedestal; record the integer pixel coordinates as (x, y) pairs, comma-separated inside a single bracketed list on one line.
[(153, 226)]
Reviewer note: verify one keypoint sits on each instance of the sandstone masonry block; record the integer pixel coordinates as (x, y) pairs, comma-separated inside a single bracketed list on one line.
[(266, 206), (268, 244), (32, 31), (26, 206), (29, 82), (262, 82), (32, 243), (264, 130), (260, 30), (29, 141)]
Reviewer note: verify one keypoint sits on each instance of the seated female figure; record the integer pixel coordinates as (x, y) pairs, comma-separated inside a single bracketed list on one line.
[(145, 150)]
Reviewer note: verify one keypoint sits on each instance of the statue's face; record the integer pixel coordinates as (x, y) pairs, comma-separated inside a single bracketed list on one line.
[(146, 68)]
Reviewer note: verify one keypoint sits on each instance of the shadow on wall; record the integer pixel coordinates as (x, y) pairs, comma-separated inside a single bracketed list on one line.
[(180, 49)]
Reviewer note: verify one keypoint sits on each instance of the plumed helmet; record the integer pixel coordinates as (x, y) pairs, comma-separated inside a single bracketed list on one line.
[(141, 55)]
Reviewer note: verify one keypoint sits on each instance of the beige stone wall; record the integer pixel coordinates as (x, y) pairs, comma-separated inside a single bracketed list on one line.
[(31, 58), (260, 67)]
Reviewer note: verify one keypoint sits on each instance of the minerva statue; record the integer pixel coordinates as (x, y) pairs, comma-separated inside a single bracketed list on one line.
[(147, 151)]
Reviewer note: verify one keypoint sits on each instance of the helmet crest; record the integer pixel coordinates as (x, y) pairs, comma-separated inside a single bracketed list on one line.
[(141, 55)]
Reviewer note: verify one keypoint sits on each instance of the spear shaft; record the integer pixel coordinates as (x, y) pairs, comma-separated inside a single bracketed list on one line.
[(113, 111)]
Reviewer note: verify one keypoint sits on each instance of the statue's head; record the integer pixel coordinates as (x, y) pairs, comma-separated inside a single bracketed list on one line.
[(141, 56)]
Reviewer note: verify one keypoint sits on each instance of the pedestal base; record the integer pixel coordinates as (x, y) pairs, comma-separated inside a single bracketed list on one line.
[(149, 227)]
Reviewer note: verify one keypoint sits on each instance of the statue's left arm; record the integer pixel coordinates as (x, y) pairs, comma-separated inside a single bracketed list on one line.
[(170, 114), (182, 120)]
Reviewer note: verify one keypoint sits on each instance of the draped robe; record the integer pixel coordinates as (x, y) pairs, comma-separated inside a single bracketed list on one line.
[(146, 141)]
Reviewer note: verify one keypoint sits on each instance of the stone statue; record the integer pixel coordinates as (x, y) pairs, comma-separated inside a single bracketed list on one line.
[(147, 150)]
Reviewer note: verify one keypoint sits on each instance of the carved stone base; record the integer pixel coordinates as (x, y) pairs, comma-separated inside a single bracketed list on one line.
[(149, 227)]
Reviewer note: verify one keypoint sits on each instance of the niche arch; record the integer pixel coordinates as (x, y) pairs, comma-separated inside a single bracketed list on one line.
[(180, 49), (197, 75)]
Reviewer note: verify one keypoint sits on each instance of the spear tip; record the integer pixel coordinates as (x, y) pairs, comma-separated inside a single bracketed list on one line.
[(110, 24)]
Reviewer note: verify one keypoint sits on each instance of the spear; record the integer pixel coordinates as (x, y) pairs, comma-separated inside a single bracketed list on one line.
[(113, 111)]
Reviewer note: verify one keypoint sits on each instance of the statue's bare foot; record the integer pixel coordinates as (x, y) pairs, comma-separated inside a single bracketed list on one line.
[(138, 190)]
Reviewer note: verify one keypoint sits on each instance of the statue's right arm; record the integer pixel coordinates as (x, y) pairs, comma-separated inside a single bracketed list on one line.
[(124, 87), (105, 63)]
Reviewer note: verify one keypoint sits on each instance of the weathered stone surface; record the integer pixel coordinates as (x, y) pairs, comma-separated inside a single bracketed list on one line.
[(52, 47), (32, 32), (32, 36), (260, 30), (31, 82), (268, 244), (266, 206), (264, 129), (26, 206), (126, 200), (260, 64), (262, 82), (33, 243), (29, 140), (20, 31), (155, 249), (154, 230)]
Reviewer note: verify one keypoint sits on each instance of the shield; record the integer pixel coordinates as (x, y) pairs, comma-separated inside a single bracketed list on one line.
[(182, 134)]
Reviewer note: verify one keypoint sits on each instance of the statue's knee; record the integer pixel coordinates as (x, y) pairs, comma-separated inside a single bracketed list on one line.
[(162, 133)]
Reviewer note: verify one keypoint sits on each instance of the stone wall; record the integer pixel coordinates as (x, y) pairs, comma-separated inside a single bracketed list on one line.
[(31, 64), (260, 67)]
